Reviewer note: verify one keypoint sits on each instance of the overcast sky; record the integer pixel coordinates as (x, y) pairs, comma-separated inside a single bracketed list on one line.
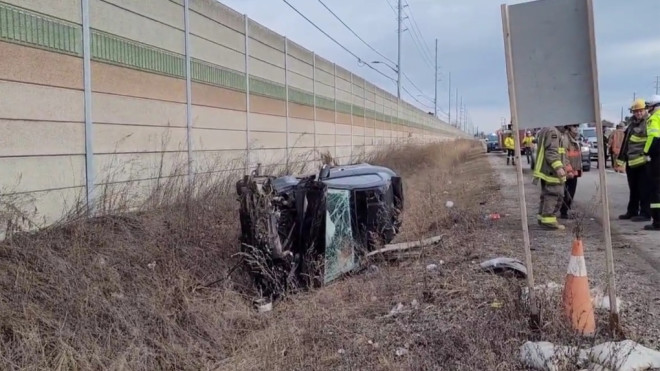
[(470, 45)]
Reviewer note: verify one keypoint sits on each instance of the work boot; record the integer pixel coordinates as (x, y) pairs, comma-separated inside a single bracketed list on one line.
[(566, 217), (507, 161), (626, 216), (640, 218), (652, 227)]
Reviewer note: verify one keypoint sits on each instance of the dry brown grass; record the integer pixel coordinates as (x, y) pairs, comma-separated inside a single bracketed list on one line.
[(131, 291)]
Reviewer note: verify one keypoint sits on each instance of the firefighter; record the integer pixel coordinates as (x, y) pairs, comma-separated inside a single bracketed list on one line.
[(573, 166), (652, 155), (510, 147), (631, 157), (615, 142), (528, 143), (550, 170)]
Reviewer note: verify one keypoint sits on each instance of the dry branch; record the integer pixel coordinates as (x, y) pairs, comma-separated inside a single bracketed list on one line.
[(402, 246)]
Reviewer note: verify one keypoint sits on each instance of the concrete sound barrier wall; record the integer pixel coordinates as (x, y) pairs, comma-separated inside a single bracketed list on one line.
[(98, 94)]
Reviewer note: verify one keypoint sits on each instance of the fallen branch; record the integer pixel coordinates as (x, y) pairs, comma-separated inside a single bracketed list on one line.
[(407, 245)]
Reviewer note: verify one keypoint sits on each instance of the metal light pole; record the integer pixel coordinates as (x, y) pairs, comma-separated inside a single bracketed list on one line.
[(398, 62), (435, 100)]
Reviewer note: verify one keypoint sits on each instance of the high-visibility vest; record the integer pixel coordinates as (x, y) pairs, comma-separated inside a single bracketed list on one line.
[(652, 130)]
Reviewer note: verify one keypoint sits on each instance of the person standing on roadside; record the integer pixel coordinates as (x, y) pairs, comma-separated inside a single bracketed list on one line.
[(632, 158), (528, 143), (510, 146), (573, 165), (615, 142), (652, 155), (550, 170)]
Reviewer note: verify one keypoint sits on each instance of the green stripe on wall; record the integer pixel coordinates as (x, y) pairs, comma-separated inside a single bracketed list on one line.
[(22, 26)]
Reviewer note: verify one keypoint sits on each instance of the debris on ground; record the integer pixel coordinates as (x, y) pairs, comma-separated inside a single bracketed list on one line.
[(403, 246), (622, 356), (302, 231), (504, 264), (401, 351), (601, 299), (625, 356), (544, 355), (449, 204)]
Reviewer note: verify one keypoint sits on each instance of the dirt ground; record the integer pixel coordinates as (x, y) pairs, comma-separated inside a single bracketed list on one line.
[(156, 290)]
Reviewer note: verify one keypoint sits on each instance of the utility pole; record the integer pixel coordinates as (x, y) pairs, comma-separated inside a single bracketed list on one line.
[(657, 79), (398, 62), (435, 100), (457, 116), (449, 105), (462, 119)]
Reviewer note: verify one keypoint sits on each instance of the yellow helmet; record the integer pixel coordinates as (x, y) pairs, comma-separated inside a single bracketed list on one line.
[(638, 104)]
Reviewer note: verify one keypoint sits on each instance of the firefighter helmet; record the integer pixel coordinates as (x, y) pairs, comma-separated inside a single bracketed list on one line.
[(653, 101), (638, 104)]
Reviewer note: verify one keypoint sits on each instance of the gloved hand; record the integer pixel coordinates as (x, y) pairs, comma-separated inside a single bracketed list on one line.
[(570, 175), (561, 172), (647, 157)]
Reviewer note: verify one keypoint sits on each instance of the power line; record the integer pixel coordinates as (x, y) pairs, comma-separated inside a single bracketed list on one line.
[(423, 45), (391, 6), (412, 17), (353, 32), (360, 60), (419, 49), (415, 98)]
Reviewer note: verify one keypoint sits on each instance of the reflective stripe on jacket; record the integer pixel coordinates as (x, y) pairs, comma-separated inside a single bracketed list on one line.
[(632, 150), (652, 133), (549, 156), (573, 153), (509, 143)]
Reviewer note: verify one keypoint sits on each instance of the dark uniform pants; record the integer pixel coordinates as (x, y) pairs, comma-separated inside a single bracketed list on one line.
[(569, 194), (639, 185), (654, 181), (511, 155), (551, 200)]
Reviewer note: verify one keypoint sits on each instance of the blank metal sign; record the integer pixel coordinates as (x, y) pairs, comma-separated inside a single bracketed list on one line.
[(552, 71)]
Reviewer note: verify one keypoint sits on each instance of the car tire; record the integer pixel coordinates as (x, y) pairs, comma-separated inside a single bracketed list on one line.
[(586, 168)]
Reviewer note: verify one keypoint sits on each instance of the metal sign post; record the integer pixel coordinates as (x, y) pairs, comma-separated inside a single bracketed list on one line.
[(553, 80), (607, 231), (535, 318)]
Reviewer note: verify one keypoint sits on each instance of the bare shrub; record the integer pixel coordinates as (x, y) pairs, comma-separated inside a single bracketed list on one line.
[(153, 281)]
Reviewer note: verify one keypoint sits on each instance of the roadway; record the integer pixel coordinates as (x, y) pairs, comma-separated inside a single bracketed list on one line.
[(588, 199)]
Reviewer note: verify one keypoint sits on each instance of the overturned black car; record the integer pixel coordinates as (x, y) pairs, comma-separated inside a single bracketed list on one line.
[(302, 231)]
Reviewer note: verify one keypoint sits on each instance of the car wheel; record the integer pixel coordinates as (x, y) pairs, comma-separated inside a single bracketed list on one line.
[(586, 168)]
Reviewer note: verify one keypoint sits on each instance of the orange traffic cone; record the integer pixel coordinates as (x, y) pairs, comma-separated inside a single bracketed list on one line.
[(576, 298)]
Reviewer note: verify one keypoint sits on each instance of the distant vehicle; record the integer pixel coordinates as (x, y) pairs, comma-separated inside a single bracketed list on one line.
[(591, 139), (493, 143)]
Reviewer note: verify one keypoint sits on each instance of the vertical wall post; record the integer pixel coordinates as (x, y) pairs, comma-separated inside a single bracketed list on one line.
[(391, 121), (374, 142), (352, 121), (247, 94), (286, 96), (186, 21), (314, 96), (364, 116), (89, 137), (335, 96)]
